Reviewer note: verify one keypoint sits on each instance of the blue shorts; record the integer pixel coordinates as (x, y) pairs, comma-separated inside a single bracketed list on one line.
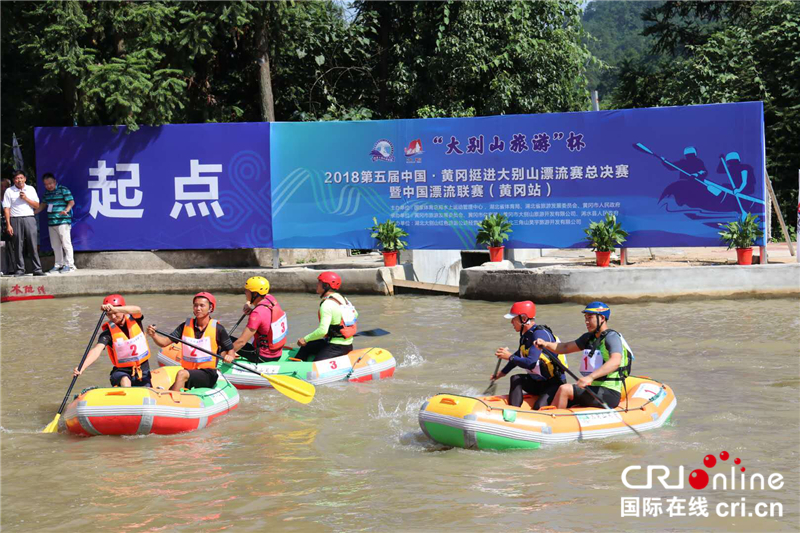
[(118, 373)]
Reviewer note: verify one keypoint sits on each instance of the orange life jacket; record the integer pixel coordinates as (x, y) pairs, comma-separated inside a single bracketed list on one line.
[(192, 359), (349, 323), (275, 339), (127, 351)]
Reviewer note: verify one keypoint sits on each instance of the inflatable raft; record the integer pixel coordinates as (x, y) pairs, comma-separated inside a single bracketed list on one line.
[(141, 411), (366, 364), (489, 423)]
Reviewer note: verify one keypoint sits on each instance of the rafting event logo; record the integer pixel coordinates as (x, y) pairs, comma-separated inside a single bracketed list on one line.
[(664, 477), (383, 151), (413, 151)]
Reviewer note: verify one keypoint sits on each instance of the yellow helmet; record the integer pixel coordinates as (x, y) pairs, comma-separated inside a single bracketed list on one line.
[(258, 285)]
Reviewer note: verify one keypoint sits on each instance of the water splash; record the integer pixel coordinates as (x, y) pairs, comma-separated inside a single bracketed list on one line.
[(410, 357)]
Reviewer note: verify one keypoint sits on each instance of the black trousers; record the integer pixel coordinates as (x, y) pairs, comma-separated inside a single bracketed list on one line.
[(545, 390), (321, 350), (24, 242)]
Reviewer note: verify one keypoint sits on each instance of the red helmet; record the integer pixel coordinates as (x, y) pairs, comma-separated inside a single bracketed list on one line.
[(114, 299), (525, 310), (331, 278), (208, 296)]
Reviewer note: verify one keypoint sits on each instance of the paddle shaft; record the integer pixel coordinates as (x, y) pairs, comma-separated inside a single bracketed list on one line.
[(554, 358), (237, 325), (496, 369), (176, 339), (88, 347)]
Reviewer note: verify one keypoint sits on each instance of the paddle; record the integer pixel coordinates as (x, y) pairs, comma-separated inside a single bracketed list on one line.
[(554, 359), (493, 385), (52, 427), (296, 389), (377, 332), (236, 325)]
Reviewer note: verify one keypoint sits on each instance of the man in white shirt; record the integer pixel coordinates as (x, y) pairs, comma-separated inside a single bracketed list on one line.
[(19, 203)]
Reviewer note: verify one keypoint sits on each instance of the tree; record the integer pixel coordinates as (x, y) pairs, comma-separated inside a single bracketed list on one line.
[(750, 52)]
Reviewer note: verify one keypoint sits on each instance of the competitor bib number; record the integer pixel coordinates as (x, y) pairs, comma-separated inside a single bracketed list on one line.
[(279, 329), (190, 354), (131, 350), (591, 361), (337, 364)]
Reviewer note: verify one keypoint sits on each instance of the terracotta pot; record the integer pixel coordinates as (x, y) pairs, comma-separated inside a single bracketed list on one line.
[(744, 256), (603, 258), (389, 259), (496, 253)]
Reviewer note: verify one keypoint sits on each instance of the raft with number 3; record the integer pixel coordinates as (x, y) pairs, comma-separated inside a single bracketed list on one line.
[(489, 423), (365, 364)]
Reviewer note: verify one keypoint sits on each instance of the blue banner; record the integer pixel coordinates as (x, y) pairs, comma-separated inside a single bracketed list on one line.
[(671, 175), (193, 186)]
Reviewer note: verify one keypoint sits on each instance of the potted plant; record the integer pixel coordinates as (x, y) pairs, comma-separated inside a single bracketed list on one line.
[(389, 235), (742, 234), (604, 236), (492, 231)]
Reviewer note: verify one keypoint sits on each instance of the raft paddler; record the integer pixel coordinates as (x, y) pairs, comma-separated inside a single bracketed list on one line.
[(199, 368), (267, 324), (542, 378), (606, 361), (338, 323), (124, 340)]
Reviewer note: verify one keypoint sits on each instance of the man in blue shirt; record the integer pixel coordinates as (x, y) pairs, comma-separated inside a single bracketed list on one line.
[(59, 202), (542, 378)]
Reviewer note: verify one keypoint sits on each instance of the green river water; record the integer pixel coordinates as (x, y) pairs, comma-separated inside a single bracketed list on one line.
[(355, 458)]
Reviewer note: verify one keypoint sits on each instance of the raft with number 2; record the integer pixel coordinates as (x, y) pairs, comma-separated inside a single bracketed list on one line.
[(145, 410), (489, 423), (365, 364)]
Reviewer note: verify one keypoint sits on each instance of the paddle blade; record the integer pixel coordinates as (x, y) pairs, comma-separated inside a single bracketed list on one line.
[(643, 148), (491, 389), (377, 332), (296, 389), (52, 427)]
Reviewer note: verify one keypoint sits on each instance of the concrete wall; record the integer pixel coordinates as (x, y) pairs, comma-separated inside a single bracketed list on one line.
[(182, 259), (436, 266), (355, 281), (617, 285)]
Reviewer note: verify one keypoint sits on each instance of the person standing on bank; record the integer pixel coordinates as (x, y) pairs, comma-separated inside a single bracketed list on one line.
[(19, 204), (267, 322), (606, 361), (124, 340), (199, 368), (59, 202), (542, 378), (338, 323), (5, 183)]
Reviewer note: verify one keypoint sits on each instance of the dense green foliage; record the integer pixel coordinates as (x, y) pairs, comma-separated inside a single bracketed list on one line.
[(614, 36), (132, 63), (715, 52)]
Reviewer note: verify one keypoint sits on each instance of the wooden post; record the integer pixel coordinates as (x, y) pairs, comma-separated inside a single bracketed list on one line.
[(276, 258), (623, 256), (780, 215)]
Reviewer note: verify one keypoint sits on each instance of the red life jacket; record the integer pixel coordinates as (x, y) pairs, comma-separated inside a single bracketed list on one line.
[(349, 323), (275, 339), (127, 351)]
